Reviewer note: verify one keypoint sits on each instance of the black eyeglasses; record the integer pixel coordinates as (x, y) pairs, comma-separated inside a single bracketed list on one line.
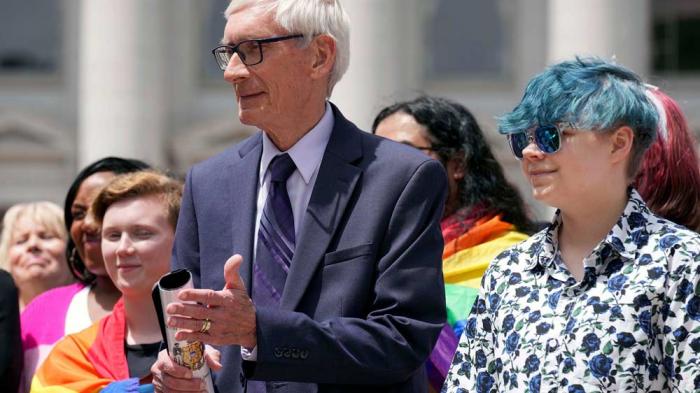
[(546, 137), (249, 51)]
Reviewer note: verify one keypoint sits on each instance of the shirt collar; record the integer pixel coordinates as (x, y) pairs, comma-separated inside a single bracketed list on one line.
[(545, 249), (306, 153), (630, 233), (627, 235)]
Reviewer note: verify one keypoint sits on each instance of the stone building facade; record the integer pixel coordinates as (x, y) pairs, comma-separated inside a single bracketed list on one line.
[(81, 79)]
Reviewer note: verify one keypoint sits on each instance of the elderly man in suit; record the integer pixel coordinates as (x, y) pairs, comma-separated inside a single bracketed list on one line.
[(336, 284)]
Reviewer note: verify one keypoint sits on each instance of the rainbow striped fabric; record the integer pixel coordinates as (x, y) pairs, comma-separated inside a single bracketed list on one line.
[(93, 360), (464, 260)]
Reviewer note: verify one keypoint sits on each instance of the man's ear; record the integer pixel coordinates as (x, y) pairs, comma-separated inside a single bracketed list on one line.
[(324, 51), (621, 142)]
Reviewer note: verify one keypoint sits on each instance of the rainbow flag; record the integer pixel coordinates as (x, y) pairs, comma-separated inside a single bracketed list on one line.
[(464, 261), (92, 360)]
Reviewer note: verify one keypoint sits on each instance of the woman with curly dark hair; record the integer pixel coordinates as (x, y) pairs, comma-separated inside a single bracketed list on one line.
[(483, 215)]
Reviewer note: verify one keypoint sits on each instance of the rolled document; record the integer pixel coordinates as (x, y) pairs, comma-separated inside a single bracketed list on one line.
[(184, 353)]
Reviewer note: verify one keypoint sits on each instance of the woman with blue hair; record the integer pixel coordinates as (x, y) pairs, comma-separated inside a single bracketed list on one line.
[(604, 298)]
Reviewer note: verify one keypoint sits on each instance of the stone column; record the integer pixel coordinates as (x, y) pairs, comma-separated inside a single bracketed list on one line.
[(385, 56), (619, 28), (122, 69)]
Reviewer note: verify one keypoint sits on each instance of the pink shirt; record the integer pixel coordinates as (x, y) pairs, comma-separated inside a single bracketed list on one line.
[(44, 323)]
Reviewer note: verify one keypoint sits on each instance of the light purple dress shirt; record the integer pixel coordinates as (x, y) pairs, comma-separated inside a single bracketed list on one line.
[(306, 154)]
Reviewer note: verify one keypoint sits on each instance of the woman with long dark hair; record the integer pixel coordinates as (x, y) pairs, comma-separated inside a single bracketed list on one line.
[(483, 215)]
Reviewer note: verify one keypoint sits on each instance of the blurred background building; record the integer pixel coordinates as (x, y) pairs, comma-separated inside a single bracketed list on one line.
[(81, 79)]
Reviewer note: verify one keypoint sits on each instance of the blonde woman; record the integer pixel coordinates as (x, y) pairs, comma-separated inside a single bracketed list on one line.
[(32, 249)]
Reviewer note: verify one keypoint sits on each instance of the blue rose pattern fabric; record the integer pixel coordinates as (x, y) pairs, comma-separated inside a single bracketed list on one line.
[(631, 325)]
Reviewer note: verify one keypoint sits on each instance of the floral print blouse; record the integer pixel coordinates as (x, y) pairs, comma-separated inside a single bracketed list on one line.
[(632, 324)]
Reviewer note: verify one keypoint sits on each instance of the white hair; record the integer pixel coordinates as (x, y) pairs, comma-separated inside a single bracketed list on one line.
[(651, 94), (310, 18)]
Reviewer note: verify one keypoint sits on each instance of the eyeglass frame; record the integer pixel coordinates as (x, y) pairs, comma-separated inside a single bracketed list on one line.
[(426, 148), (443, 152), (258, 41), (530, 133)]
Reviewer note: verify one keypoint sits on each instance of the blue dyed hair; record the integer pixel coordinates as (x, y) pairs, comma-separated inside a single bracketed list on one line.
[(593, 95)]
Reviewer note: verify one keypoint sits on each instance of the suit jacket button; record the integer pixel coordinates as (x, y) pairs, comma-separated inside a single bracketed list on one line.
[(304, 354), (295, 353), (287, 353), (277, 352)]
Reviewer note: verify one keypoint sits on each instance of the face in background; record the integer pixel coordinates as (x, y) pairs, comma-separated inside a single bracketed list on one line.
[(83, 230), (403, 128), (137, 241), (274, 91), (576, 175), (36, 256)]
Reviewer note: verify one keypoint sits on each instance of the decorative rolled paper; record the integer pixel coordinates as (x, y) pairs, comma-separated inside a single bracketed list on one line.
[(187, 354)]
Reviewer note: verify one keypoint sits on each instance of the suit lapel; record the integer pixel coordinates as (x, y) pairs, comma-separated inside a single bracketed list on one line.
[(243, 190), (335, 183)]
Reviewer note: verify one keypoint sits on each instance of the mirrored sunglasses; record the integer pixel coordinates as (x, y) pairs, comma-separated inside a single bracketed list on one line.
[(547, 138)]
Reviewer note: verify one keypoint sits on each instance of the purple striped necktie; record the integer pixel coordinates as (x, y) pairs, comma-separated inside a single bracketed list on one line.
[(276, 239)]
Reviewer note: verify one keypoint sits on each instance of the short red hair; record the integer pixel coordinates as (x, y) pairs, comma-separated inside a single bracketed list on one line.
[(669, 177)]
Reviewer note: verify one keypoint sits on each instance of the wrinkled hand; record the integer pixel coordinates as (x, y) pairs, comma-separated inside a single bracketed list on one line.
[(230, 311), (169, 376)]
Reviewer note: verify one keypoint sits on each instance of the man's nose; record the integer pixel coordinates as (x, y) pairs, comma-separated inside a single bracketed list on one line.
[(235, 70)]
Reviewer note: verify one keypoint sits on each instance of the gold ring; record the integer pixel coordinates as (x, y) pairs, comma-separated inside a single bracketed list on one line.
[(205, 326)]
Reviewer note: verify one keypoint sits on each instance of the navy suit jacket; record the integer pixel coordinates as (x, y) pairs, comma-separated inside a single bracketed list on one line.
[(364, 300)]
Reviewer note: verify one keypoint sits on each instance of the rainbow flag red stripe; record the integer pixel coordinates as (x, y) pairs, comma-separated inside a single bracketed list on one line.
[(92, 360)]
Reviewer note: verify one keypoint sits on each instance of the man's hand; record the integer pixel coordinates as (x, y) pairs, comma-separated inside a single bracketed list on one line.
[(169, 376), (230, 312)]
